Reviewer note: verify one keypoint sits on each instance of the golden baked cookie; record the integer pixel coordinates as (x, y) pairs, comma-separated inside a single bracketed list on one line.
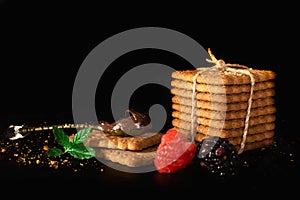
[(98, 139), (226, 115)]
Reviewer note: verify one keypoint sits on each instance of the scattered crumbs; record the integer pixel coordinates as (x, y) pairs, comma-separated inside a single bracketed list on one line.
[(45, 148), (32, 151), (246, 164), (291, 158)]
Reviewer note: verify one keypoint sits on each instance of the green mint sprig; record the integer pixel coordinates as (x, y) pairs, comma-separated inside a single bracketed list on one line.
[(74, 147)]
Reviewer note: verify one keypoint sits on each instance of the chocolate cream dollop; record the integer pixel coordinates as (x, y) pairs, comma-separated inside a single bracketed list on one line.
[(135, 124)]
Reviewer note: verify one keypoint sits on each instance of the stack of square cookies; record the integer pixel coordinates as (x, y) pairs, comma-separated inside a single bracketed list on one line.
[(129, 142), (129, 151), (229, 104)]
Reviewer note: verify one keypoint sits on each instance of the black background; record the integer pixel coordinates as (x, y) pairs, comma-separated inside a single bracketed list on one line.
[(43, 44)]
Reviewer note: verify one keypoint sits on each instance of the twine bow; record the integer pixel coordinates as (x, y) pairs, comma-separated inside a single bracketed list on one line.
[(225, 67)]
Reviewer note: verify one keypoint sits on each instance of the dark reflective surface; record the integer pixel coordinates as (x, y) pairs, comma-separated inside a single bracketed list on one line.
[(23, 163)]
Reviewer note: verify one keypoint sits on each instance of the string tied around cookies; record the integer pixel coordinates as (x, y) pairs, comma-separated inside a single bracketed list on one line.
[(236, 69), (222, 65)]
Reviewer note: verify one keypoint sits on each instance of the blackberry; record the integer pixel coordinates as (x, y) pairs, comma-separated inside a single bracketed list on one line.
[(218, 156)]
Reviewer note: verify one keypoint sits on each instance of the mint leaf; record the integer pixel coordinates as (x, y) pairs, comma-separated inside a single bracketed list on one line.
[(54, 152), (81, 152), (81, 136), (75, 146), (61, 136)]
